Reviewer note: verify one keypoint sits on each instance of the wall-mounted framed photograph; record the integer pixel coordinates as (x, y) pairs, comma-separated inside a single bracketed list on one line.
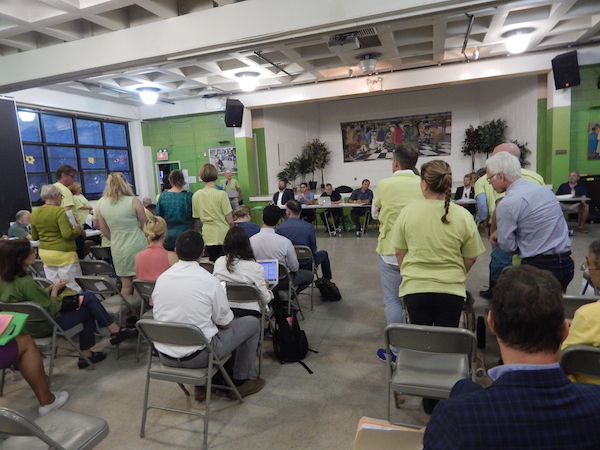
[(223, 158)]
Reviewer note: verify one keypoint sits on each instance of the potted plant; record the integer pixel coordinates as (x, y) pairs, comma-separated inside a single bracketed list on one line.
[(319, 154), (525, 152), (483, 139), (290, 172)]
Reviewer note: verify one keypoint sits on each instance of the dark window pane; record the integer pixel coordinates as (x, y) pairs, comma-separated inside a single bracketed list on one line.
[(58, 129), (118, 160), (92, 158), (35, 182), (88, 132), (94, 181), (127, 177), (114, 133), (30, 130), (57, 156), (34, 158)]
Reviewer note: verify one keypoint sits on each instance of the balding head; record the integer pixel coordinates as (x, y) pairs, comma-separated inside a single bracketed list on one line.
[(509, 147)]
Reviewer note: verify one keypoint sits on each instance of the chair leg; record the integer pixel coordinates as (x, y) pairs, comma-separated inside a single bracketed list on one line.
[(146, 392), (2, 378)]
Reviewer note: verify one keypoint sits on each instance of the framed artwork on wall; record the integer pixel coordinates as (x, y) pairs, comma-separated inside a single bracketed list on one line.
[(370, 140), (223, 158), (593, 141)]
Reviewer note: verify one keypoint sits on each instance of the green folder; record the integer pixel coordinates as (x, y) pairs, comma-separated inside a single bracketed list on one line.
[(14, 327)]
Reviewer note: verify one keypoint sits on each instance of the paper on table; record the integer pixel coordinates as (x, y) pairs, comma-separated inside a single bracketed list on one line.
[(564, 196)]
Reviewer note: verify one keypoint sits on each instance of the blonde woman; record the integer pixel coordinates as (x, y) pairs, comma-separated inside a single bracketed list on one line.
[(120, 218), (212, 207), (153, 261)]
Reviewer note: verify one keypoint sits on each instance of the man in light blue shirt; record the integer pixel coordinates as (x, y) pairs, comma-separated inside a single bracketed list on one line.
[(530, 220), (305, 197), (363, 196)]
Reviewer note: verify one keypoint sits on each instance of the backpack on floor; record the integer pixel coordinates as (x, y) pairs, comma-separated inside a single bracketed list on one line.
[(329, 291), (289, 340), (347, 224)]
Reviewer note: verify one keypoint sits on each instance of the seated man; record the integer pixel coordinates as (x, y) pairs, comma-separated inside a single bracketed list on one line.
[(242, 217), (302, 233), (268, 245), (531, 403), (281, 197), (187, 293), (364, 196), (305, 197), (466, 192), (19, 228), (577, 189), (585, 328), (335, 212)]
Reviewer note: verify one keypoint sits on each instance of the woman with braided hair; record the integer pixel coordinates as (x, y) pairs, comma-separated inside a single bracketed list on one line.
[(437, 242)]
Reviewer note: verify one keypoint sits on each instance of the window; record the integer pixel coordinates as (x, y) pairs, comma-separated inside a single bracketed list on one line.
[(94, 147)]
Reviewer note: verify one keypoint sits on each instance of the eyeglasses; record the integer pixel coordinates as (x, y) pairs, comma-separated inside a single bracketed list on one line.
[(586, 266), (71, 175), (489, 179)]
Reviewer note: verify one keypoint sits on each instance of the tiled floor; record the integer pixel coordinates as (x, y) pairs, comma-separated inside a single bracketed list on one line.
[(295, 409)]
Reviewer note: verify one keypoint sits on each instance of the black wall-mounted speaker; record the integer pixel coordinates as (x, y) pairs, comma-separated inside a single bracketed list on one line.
[(566, 70), (234, 111)]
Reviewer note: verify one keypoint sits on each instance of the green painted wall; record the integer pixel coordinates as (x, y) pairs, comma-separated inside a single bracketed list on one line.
[(541, 154)]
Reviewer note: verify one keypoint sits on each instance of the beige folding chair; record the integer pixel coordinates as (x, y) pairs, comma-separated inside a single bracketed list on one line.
[(47, 345), (59, 430), (430, 360), (574, 302), (304, 252), (581, 360), (144, 289), (185, 335), (99, 268), (113, 301), (292, 295), (249, 293), (208, 265)]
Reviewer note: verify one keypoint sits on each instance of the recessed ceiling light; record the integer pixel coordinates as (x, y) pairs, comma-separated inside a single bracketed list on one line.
[(247, 80), (516, 41), (149, 95)]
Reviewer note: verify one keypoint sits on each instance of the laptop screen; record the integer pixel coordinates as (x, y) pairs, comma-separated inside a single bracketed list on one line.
[(271, 267)]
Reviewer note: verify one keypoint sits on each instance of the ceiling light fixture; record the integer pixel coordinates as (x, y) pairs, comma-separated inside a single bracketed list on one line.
[(149, 95), (247, 80), (367, 62), (26, 116), (516, 41)]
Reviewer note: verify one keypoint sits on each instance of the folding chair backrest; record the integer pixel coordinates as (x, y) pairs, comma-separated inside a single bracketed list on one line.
[(36, 312), (98, 285), (303, 252), (100, 252), (431, 339), (581, 360), (171, 333), (242, 292), (96, 267), (37, 268), (13, 423), (283, 271), (208, 266), (144, 288), (574, 302), (44, 282)]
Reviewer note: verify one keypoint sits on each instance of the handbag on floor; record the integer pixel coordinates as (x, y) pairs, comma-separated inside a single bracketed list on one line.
[(329, 291), (347, 224)]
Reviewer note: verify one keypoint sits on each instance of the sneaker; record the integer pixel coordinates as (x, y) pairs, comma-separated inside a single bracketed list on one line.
[(249, 387), (60, 398), (382, 355), (95, 358), (358, 233)]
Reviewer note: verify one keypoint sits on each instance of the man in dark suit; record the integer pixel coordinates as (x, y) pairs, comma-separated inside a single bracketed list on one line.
[(531, 403), (281, 197), (466, 191)]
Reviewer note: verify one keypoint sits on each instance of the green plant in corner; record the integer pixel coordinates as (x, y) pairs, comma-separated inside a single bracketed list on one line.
[(525, 152), (483, 139), (320, 155)]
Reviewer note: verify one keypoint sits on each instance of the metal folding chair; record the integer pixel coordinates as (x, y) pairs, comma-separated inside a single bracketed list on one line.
[(37, 269), (581, 360), (208, 265), (144, 289), (304, 252), (99, 268), (186, 335), (574, 302), (59, 430), (43, 282), (292, 295)]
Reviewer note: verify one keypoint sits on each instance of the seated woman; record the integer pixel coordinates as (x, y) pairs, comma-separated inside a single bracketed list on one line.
[(154, 260), (242, 217), (17, 285), (22, 354), (238, 265)]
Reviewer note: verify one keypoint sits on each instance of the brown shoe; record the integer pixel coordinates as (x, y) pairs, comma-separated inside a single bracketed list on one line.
[(200, 393), (583, 230), (249, 387)]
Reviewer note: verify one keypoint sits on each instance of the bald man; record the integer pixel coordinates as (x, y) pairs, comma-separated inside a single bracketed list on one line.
[(576, 189), (230, 184), (487, 200)]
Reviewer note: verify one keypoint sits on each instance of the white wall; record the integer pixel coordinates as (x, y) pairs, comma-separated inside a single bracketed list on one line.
[(514, 100)]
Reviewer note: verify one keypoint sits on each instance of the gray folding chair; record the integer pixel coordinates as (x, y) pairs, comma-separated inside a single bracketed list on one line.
[(113, 301), (144, 289), (37, 268), (292, 295), (208, 265), (430, 360), (181, 334), (99, 268), (581, 360), (101, 253), (59, 430), (43, 282), (304, 252), (249, 293), (574, 302), (47, 345)]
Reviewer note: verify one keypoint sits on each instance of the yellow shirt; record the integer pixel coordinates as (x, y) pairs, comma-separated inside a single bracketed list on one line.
[(80, 214), (67, 199), (585, 329), (211, 206)]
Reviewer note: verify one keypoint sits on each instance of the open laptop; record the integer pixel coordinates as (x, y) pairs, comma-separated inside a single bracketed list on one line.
[(325, 201), (271, 267)]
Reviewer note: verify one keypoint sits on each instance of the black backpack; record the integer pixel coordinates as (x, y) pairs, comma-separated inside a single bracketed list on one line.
[(329, 291), (289, 340)]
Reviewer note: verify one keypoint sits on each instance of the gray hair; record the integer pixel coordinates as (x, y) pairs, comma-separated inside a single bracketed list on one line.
[(21, 214), (505, 163), (49, 191)]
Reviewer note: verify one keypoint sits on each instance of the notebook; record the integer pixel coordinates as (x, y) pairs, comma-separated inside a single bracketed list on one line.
[(325, 201), (271, 267)]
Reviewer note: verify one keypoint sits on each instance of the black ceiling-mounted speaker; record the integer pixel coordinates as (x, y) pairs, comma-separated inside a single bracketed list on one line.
[(566, 70), (234, 111)]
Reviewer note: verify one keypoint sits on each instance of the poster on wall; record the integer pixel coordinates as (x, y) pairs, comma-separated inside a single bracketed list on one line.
[(223, 158), (593, 142), (370, 140)]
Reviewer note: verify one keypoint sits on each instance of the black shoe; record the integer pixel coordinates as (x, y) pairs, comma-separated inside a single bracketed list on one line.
[(122, 335), (486, 294), (130, 321), (95, 358)]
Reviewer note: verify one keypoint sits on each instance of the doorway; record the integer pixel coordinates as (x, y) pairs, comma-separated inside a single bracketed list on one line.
[(163, 169)]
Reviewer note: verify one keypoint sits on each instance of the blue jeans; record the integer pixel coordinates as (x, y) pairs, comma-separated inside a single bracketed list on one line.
[(499, 260), (90, 313), (390, 285), (562, 267), (321, 259)]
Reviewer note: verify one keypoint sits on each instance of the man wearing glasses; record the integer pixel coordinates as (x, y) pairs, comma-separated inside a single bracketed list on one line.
[(65, 176), (530, 221)]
